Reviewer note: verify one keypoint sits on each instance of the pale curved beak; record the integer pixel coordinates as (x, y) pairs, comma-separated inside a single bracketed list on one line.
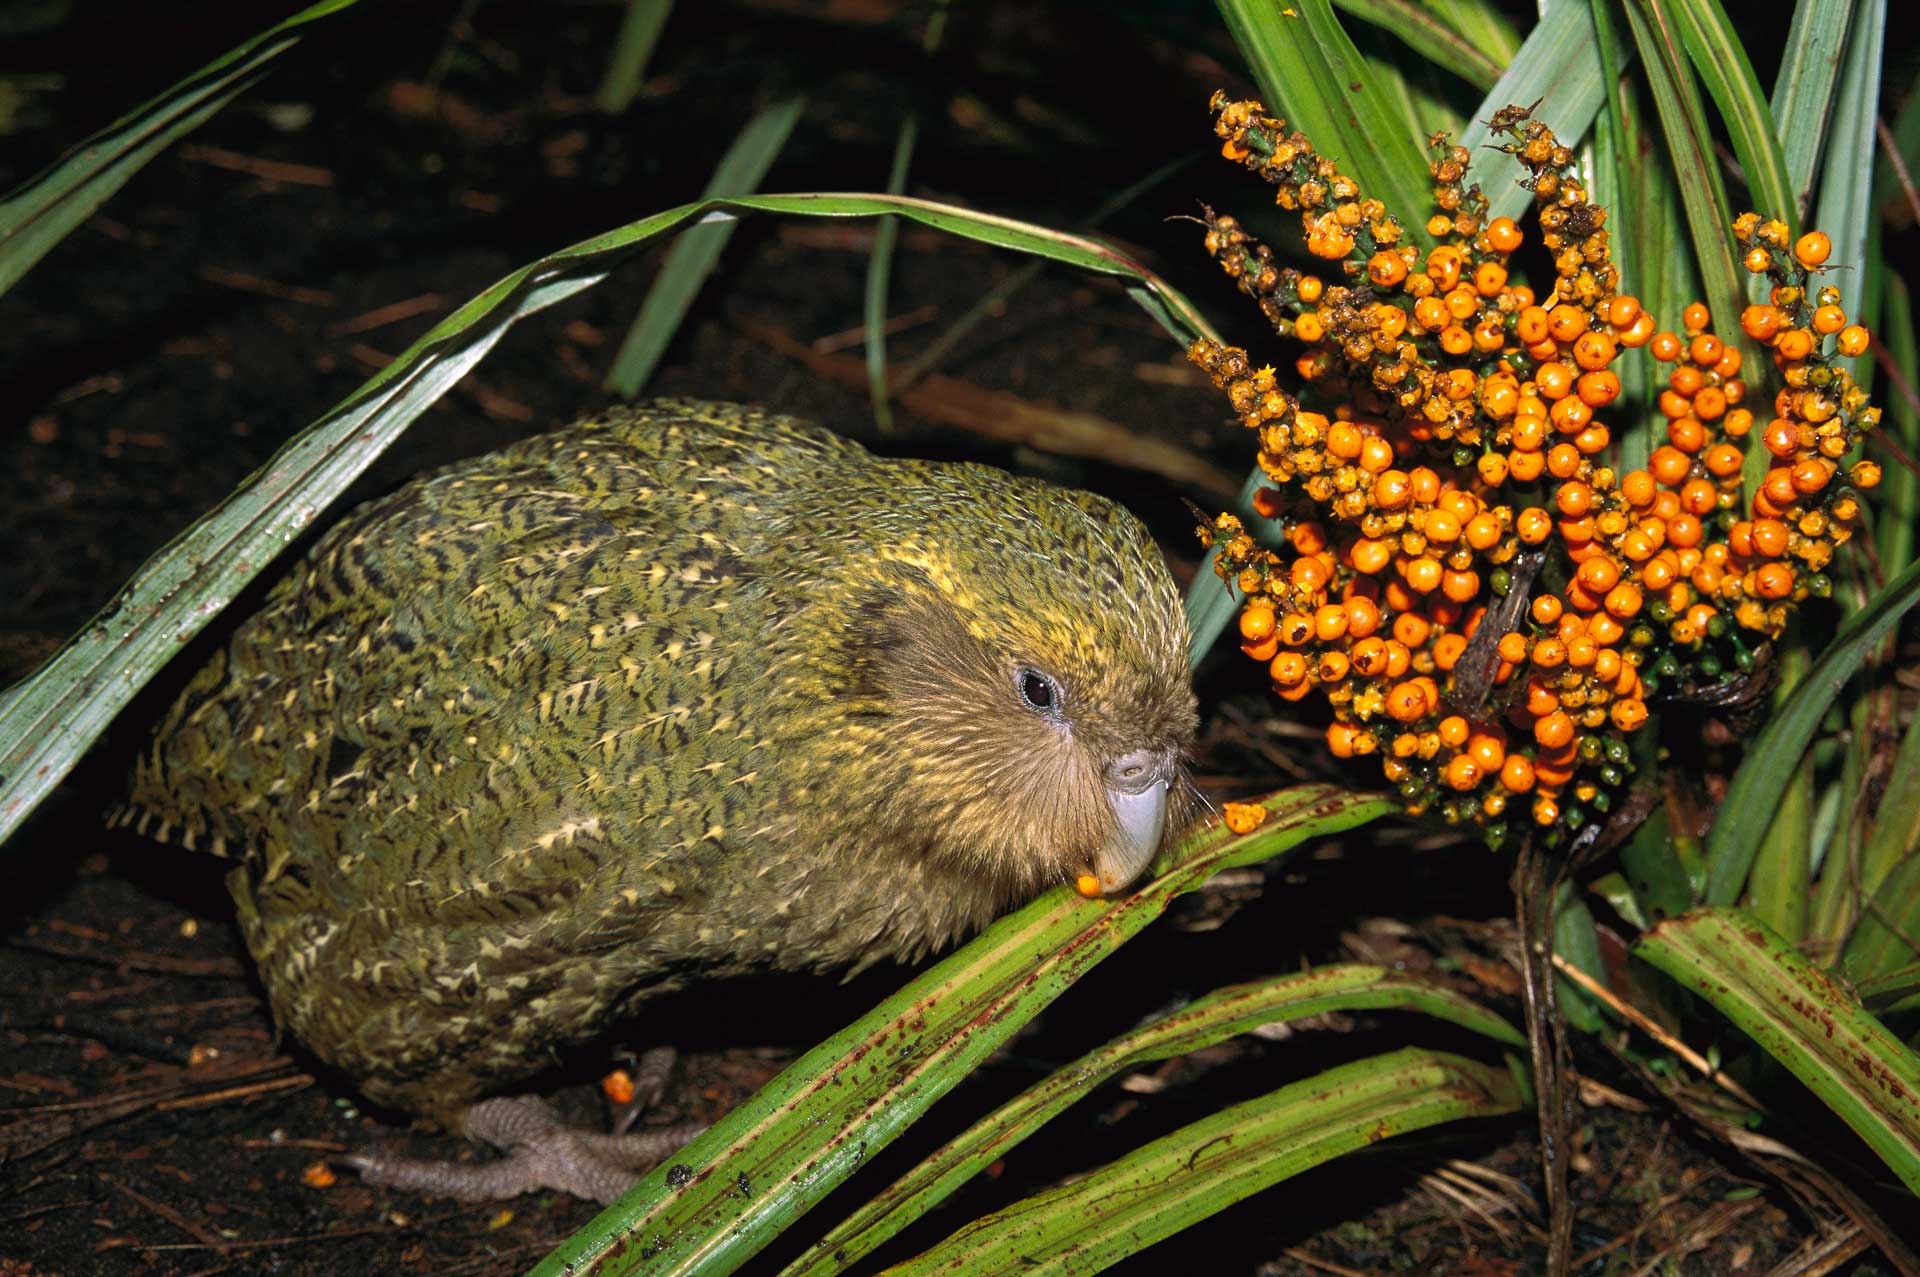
[(1137, 788)]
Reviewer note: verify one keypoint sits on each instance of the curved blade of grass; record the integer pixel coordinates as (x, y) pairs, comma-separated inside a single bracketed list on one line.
[(1560, 66), (1845, 202), (1484, 25), (1897, 503), (47, 721), (771, 1159), (695, 254), (1309, 72), (41, 211), (1683, 121), (1201, 1023), (1887, 931), (1782, 868), (1803, 1018), (632, 49), (1809, 74), (1182, 1178), (1888, 935), (1420, 30), (1633, 180), (880, 276), (1748, 807), (1703, 195), (1720, 59)]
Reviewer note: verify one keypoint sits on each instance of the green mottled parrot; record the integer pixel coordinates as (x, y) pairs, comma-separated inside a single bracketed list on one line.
[(675, 693)]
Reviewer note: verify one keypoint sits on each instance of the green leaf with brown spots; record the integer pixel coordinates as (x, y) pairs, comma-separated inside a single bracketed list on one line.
[(1239, 1008), (1805, 1019), (1182, 1178), (768, 1162)]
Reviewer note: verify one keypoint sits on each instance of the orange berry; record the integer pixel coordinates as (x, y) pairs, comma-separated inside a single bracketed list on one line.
[(1503, 236), (1376, 454), (1516, 774), (1554, 379), (1332, 667), (1288, 669), (1828, 320), (1665, 347), (1623, 601), (1723, 459), (1411, 628), (1532, 325), (1598, 389), (1669, 465), (1865, 474), (1526, 466), (1793, 344), (1705, 350), (1363, 618), (1462, 772), (1686, 434), (1453, 731), (1370, 556), (1573, 499), (1407, 702), (1769, 537), (1696, 316), (1555, 730), (1812, 248), (1447, 650), (1811, 475), (1773, 580), (1369, 657), (1761, 321), (1852, 341), (1483, 531), (1392, 490), (1563, 461), (1599, 574), (1386, 269), (1628, 714)]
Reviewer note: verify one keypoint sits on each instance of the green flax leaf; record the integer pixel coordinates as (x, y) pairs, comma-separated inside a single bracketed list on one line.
[(1809, 74), (1803, 1018), (1720, 59), (1428, 35), (1201, 1023), (632, 49), (695, 254), (1845, 200), (41, 211), (47, 721), (774, 1157), (1182, 1178), (1734, 841)]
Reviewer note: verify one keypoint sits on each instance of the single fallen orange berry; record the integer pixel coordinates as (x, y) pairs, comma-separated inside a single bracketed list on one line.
[(618, 1086), (1087, 885), (318, 1175), (1242, 818)]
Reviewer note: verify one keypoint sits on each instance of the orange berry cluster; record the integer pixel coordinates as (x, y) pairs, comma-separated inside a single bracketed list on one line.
[(1448, 557)]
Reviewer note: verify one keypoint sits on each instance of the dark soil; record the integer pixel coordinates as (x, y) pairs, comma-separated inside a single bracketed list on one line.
[(248, 280)]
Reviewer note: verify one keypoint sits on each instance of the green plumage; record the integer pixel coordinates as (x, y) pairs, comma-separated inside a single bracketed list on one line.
[(668, 695)]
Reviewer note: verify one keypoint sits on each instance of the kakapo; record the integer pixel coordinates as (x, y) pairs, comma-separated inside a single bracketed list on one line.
[(677, 692)]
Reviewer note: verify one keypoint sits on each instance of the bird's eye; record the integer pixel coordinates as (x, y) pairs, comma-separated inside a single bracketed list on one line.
[(1039, 691)]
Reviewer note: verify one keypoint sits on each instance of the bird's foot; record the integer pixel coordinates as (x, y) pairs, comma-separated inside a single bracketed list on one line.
[(542, 1152)]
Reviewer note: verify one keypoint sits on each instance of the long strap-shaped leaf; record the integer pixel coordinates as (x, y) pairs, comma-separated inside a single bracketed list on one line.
[(1184, 1177), (1201, 1023), (49, 720), (40, 213), (1805, 1019), (1720, 59), (1744, 815), (735, 1188)]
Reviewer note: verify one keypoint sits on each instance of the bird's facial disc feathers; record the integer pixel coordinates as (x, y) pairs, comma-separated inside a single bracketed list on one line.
[(1036, 725)]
